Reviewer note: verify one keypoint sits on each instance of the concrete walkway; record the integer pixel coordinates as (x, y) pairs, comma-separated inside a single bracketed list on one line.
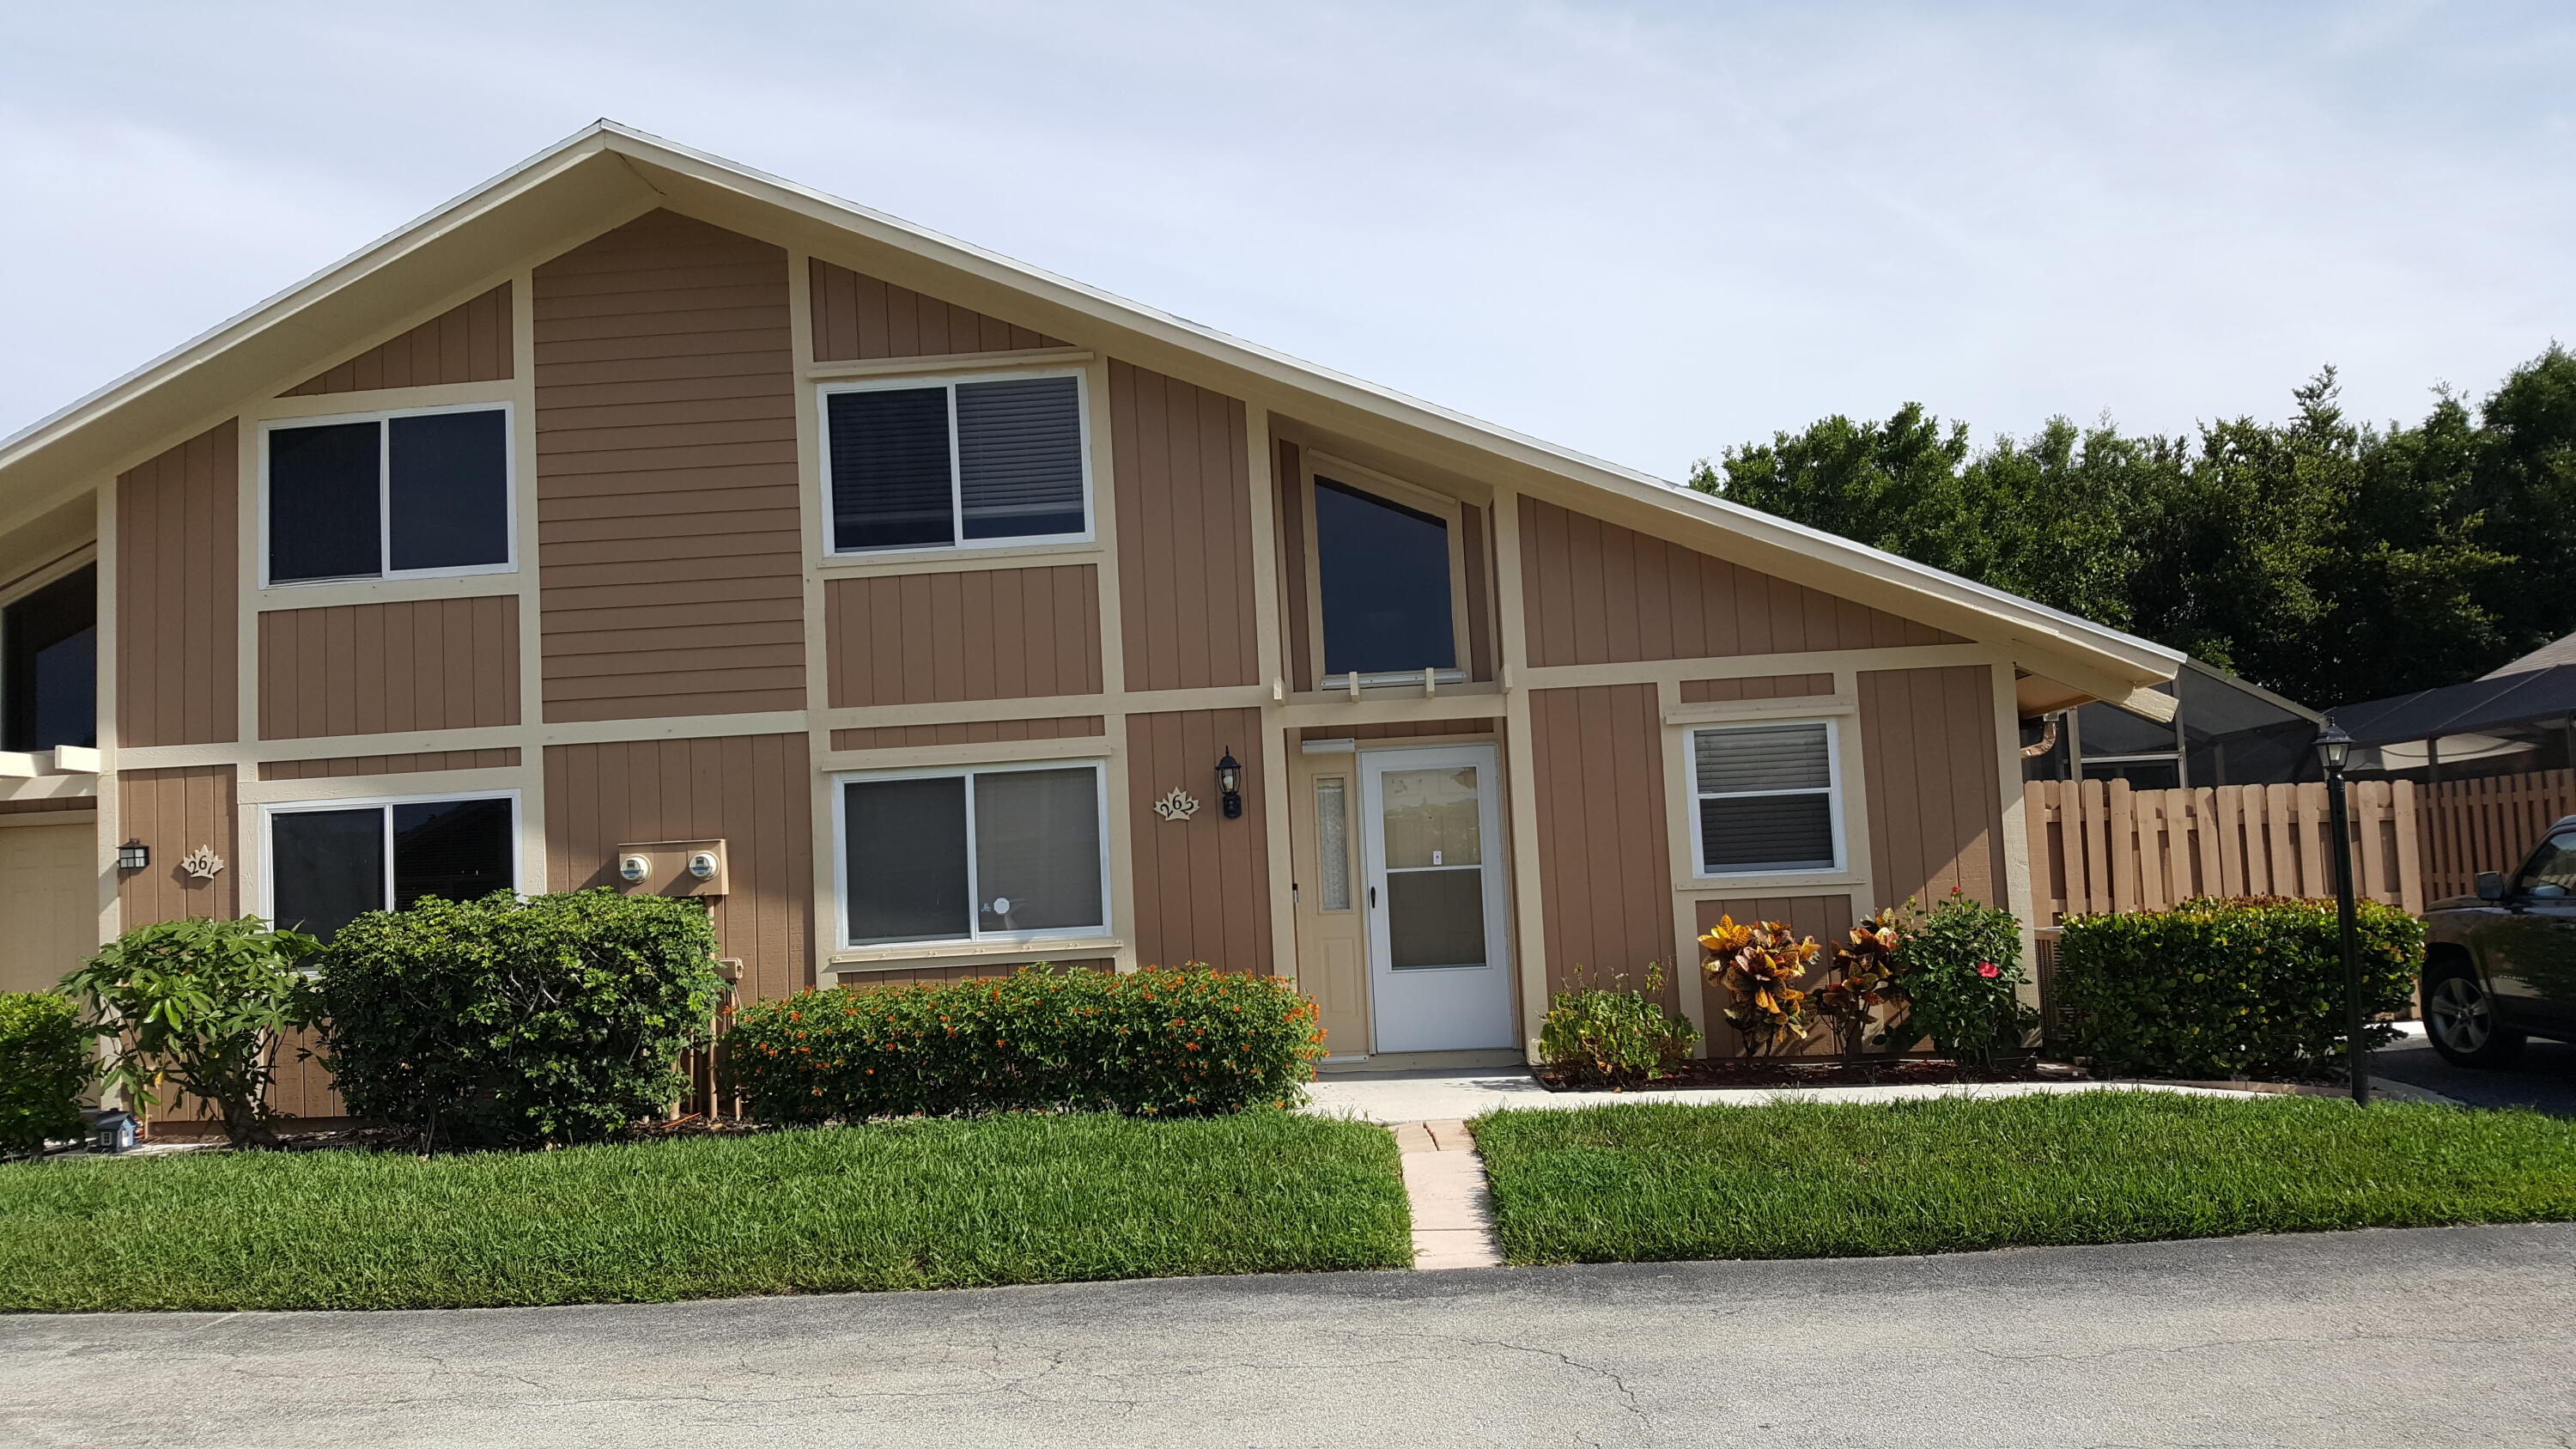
[(1453, 1206), (1452, 1096)]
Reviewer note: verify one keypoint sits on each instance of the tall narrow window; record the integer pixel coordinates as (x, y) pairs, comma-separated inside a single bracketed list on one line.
[(49, 681), (1384, 572), (1333, 844), (1766, 797), (397, 493), (935, 465), (974, 854), (327, 867)]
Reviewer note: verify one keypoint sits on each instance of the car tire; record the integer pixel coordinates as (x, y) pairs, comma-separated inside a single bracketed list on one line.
[(2460, 1018)]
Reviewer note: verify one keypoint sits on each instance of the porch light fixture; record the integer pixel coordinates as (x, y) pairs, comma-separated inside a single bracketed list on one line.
[(1229, 784), (133, 855), (2334, 747)]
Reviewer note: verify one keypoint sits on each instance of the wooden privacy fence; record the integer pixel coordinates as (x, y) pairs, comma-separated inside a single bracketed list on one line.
[(2490, 824), (2098, 846)]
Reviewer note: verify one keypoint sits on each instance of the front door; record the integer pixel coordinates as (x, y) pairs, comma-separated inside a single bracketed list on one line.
[(1431, 858)]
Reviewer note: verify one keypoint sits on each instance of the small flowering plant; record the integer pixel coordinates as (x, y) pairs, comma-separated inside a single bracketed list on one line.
[(1760, 963), (1869, 982), (1964, 978)]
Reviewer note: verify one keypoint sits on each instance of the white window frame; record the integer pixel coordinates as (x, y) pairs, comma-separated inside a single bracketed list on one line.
[(959, 542), (268, 836), (384, 493), (975, 935), (1832, 791)]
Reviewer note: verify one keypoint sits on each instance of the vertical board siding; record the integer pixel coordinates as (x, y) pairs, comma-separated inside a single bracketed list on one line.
[(1408, 729), (1596, 593), (1935, 801), (1202, 884), (1288, 482), (2486, 824), (754, 792), (1605, 872), (173, 812), (1184, 478), (1759, 686), (977, 634), (667, 499), (2099, 846), (368, 669), (469, 342), (1826, 918), (177, 591), (346, 766), (858, 318), (972, 732)]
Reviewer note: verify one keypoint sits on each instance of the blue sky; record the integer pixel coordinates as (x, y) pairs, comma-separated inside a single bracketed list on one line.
[(1644, 231)]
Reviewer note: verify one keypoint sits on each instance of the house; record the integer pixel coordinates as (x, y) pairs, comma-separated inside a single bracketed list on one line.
[(643, 521), (2223, 731), (2516, 718)]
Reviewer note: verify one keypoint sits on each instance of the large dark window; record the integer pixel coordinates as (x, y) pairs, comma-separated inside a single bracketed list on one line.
[(1384, 571), (420, 492), (49, 682), (1001, 852), (327, 867), (935, 465)]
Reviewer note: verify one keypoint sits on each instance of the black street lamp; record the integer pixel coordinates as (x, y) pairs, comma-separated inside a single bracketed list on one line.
[(2334, 747)]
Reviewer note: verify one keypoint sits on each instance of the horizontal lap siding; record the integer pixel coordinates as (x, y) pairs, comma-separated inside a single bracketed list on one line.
[(177, 587), (1605, 872), (858, 318), (1760, 686), (973, 732), (668, 528), (345, 766), (944, 638), (1185, 560), (1596, 593), (1827, 919), (469, 342), (1935, 803), (1202, 884), (754, 792), (367, 669)]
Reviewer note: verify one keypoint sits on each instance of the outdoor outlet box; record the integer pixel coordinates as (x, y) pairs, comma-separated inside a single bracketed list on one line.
[(672, 868)]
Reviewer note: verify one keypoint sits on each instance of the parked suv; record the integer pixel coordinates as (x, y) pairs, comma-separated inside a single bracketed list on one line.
[(2500, 966)]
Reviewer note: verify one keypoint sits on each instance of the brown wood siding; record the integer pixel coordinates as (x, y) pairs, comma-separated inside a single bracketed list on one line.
[(1596, 593), (173, 812), (345, 766), (1184, 478), (1826, 918), (368, 669), (858, 318), (1605, 869), (975, 732), (469, 342), (177, 590), (667, 499), (1291, 487), (1472, 541), (1759, 686), (1202, 884), (754, 792), (952, 637), (1401, 729), (1935, 804)]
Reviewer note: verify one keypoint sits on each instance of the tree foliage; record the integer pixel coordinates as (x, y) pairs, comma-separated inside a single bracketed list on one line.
[(200, 1006), (2324, 558)]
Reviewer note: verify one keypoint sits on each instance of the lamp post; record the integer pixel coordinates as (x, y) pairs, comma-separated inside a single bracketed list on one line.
[(2334, 747)]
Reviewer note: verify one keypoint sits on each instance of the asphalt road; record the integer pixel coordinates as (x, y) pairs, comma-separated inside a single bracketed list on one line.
[(2544, 1078), (2446, 1336)]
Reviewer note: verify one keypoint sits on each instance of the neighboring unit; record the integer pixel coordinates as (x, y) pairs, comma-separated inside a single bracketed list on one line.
[(641, 521)]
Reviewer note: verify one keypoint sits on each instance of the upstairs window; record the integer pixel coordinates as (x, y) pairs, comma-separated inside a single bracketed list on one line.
[(49, 665), (1767, 798), (1383, 570), (330, 864), (423, 493), (940, 465)]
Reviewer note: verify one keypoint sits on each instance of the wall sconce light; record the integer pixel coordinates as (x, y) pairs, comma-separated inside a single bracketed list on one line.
[(133, 855), (1229, 783)]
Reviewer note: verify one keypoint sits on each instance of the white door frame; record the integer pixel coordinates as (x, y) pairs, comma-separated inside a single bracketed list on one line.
[(1442, 1008)]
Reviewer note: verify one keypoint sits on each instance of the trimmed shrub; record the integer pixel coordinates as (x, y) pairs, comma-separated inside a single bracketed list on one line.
[(1152, 1043), (200, 1006), (1623, 1038), (501, 1021), (2248, 987), (1962, 973), (44, 1059)]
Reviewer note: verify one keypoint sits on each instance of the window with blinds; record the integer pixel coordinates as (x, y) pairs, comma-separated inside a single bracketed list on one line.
[(1767, 798), (940, 464)]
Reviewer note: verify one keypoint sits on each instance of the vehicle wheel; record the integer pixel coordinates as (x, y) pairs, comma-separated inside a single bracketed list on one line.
[(2460, 1021)]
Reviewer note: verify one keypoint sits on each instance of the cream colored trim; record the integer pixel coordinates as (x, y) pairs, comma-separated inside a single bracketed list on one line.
[(1751, 666), (905, 366), (52, 787), (1520, 777), (1718, 711), (2016, 842), (988, 752), (277, 598), (528, 544), (951, 560), (489, 737), (1858, 828), (53, 570), (864, 960), (821, 818), (111, 650), (1116, 781), (1276, 789), (1678, 859), (373, 787), (2150, 704), (397, 399), (248, 486), (1333, 711), (49, 817)]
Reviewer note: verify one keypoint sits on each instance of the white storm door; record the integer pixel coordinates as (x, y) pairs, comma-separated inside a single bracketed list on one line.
[(1431, 851)]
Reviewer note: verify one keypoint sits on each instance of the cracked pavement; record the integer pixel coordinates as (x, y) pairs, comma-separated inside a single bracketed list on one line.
[(2449, 1336)]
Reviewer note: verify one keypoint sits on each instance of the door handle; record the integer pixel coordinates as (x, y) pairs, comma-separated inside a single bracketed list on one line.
[(1372, 898)]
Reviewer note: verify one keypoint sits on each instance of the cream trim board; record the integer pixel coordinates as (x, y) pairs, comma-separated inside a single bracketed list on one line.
[(959, 560), (383, 400), (992, 752), (513, 420), (2018, 896), (927, 365), (1087, 401), (409, 785), (823, 856), (1520, 778), (489, 737), (1753, 666), (111, 639), (842, 941), (400, 589), (54, 787), (1268, 652), (1723, 711), (979, 953)]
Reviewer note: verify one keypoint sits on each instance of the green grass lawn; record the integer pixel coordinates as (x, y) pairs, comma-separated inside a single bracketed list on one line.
[(921, 1204), (1651, 1182)]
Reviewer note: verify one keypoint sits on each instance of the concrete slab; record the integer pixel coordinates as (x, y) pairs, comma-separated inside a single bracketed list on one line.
[(1456, 1096)]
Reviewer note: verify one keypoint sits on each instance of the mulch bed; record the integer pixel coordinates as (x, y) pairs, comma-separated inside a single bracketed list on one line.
[(1796, 1072)]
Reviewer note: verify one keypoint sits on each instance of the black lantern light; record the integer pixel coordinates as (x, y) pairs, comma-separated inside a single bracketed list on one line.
[(1229, 783), (2334, 750), (133, 855)]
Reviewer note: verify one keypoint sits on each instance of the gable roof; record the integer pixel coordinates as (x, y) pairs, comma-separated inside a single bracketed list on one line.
[(607, 173)]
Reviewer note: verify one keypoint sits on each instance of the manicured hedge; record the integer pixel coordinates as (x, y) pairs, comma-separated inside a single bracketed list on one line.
[(1152, 1043), (44, 1058), (2213, 988)]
